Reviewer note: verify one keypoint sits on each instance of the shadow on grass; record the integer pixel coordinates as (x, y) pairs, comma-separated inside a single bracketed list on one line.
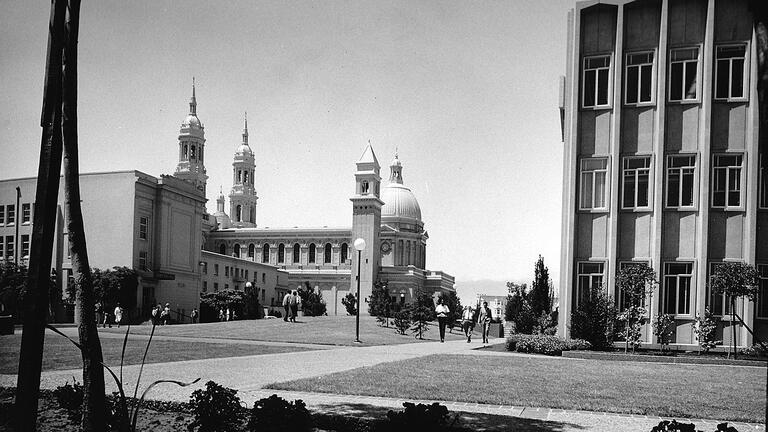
[(468, 420)]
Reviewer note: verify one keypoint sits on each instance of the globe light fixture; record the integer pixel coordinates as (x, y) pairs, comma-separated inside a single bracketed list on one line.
[(360, 246)]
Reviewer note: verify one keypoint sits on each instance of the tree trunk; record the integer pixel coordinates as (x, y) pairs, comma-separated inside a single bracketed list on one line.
[(44, 224), (733, 325), (93, 371)]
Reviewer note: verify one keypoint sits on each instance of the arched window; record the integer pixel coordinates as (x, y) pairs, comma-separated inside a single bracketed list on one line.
[(296, 253), (236, 251), (200, 156), (223, 249), (363, 187), (253, 215), (400, 252), (407, 253), (251, 251), (192, 152), (327, 254), (239, 213), (265, 253), (184, 152), (245, 177), (239, 176), (344, 253), (312, 252), (281, 253)]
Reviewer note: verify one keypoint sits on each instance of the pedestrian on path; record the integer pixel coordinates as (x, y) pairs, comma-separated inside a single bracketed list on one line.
[(442, 312), (287, 306), (106, 319), (484, 320), (294, 303), (194, 316), (118, 315), (468, 322), (99, 311)]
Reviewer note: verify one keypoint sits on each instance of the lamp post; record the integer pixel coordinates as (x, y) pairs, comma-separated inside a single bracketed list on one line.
[(359, 245), (17, 219)]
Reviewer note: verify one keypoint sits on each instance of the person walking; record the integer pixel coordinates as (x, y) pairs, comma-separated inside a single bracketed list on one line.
[(99, 309), (194, 316), (468, 322), (155, 312), (106, 319), (287, 306), (118, 315), (165, 315), (229, 314), (294, 304), (484, 320), (442, 312)]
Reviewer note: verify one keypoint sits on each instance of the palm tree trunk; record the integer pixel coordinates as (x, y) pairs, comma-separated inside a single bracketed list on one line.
[(44, 224), (93, 372)]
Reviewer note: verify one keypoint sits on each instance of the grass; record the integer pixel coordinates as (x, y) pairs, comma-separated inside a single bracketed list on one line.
[(692, 391), (325, 330), (60, 354)]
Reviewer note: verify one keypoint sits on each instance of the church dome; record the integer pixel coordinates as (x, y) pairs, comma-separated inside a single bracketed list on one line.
[(244, 149), (399, 202), (192, 120)]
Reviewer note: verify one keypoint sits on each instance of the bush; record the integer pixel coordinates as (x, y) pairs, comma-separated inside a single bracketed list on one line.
[(312, 303), (664, 329), (402, 321), (350, 303), (216, 408), (593, 320), (434, 417), (275, 414), (544, 344), (705, 329), (343, 423), (275, 313), (70, 399), (674, 426)]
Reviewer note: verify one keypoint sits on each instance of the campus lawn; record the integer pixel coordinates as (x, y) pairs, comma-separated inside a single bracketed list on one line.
[(61, 354), (733, 393), (324, 330)]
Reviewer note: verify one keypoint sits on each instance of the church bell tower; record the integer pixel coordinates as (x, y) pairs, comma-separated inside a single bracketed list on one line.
[(366, 223), (192, 147), (242, 199)]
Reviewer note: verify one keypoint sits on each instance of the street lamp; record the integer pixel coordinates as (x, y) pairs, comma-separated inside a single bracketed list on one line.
[(17, 218), (359, 245)]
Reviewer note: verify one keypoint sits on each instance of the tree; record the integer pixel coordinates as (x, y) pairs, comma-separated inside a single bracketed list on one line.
[(13, 286), (664, 329), (593, 319), (454, 308), (380, 304), (422, 312), (734, 280), (212, 303), (312, 303), (635, 282), (402, 320), (116, 285), (519, 310), (350, 303), (251, 307), (539, 295)]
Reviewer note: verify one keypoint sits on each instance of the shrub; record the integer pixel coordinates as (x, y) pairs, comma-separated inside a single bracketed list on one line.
[(705, 329), (544, 344), (216, 408), (593, 320), (546, 324), (344, 423), (275, 414), (312, 303), (402, 321), (664, 328), (70, 399), (275, 313), (434, 417), (350, 303), (422, 312)]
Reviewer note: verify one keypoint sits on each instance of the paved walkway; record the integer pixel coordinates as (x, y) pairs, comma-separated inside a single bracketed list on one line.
[(250, 374)]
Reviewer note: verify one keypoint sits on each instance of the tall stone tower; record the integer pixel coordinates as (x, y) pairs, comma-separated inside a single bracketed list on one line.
[(366, 222), (191, 165), (242, 199)]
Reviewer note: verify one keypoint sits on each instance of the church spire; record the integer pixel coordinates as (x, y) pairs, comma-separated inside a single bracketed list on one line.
[(245, 130), (193, 101), (396, 170)]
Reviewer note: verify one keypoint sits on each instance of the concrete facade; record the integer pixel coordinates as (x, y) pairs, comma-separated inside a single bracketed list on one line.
[(661, 158)]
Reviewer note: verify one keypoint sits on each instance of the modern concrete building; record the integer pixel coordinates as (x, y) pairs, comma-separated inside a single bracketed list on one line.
[(661, 160)]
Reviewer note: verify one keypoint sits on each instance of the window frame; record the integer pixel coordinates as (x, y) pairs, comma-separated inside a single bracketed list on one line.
[(10, 214), (684, 100), (10, 247), (724, 311), (143, 260), (580, 273), (26, 213), (762, 270), (609, 90), (25, 245), (745, 73), (2, 215), (640, 66), (143, 227), (678, 277), (649, 188), (327, 254), (606, 185), (742, 174), (620, 303), (695, 186)]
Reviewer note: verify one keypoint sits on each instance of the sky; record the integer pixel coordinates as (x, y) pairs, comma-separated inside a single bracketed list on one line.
[(465, 92)]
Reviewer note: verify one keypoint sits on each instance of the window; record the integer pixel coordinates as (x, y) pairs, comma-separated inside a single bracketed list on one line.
[(2, 249), (263, 278), (205, 267), (26, 213), (281, 253), (622, 301), (296, 253), (762, 293), (142, 260), (730, 72), (192, 152), (726, 180), (2, 215), (312, 252), (763, 190), (327, 254), (11, 214), (239, 213), (226, 271), (265, 253), (593, 188), (143, 227), (205, 286), (226, 286), (236, 251), (677, 288), (681, 172), (590, 277), (639, 78), (364, 187), (637, 173), (683, 73), (596, 81), (9, 247), (263, 296), (719, 304), (251, 251), (222, 249), (25, 245), (344, 253), (215, 287), (215, 269)]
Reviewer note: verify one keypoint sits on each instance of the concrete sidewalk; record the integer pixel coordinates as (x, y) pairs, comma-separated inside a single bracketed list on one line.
[(250, 374)]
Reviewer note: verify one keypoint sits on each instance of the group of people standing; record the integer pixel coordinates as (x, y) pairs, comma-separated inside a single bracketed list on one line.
[(103, 315), (161, 315), (291, 303), (469, 317)]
